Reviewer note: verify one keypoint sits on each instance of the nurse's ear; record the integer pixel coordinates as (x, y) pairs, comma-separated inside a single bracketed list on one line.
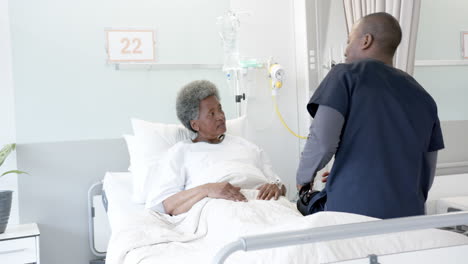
[(366, 41), (194, 125)]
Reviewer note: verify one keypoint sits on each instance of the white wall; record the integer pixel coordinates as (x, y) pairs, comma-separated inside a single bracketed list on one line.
[(64, 88), (440, 26), (64, 91), (439, 39), (7, 115)]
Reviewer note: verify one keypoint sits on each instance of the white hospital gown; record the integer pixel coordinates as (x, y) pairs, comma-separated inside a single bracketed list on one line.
[(188, 165)]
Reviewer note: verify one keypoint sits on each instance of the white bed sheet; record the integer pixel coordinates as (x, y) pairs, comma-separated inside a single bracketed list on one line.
[(121, 211)]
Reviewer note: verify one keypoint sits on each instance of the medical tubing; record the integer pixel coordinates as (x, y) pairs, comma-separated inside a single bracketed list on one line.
[(275, 104), (282, 120)]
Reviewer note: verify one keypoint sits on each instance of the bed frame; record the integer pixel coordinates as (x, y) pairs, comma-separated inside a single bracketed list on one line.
[(321, 234)]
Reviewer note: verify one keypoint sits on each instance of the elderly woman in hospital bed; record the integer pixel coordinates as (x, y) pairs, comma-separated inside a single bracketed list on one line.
[(213, 164)]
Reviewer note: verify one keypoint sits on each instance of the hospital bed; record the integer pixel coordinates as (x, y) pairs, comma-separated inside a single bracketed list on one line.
[(347, 240)]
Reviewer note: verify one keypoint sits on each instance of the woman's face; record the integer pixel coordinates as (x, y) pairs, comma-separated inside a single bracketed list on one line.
[(211, 122)]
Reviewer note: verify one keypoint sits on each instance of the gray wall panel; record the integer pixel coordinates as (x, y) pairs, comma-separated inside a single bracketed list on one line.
[(54, 195)]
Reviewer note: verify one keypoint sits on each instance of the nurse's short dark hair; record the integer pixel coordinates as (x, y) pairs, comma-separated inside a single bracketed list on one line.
[(189, 98), (386, 30)]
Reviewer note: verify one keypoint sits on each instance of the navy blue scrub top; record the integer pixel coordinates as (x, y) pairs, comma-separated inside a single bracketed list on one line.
[(380, 168)]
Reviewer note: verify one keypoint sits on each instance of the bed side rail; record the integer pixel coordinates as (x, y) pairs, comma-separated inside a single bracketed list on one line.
[(310, 235), (95, 189)]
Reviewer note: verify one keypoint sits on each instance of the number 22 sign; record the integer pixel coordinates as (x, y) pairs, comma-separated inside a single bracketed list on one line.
[(128, 45)]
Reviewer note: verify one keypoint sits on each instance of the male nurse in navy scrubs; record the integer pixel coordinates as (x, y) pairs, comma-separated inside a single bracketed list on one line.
[(380, 124)]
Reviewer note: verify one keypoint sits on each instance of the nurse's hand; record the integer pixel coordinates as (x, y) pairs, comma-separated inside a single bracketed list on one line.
[(270, 190), (325, 176), (324, 179)]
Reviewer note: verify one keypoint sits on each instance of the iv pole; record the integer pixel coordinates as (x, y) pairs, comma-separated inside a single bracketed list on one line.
[(229, 28)]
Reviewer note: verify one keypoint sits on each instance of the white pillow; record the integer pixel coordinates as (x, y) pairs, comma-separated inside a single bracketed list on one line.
[(133, 151), (152, 141), (173, 133), (137, 168), (145, 153), (169, 133), (237, 126)]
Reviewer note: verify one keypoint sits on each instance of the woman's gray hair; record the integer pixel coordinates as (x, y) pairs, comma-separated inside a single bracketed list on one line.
[(189, 98)]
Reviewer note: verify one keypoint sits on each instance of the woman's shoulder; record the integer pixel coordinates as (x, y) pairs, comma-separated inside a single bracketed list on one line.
[(240, 141), (180, 146), (233, 138)]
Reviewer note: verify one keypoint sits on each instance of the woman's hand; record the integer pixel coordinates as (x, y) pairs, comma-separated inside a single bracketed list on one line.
[(269, 190), (224, 190)]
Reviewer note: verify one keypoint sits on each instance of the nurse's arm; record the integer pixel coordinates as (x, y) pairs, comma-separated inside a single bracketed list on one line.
[(431, 159), (321, 144)]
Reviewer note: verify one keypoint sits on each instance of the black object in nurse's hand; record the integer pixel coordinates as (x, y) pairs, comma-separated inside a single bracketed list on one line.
[(311, 201)]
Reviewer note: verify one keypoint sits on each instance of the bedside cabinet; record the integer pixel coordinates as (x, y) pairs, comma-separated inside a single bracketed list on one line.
[(20, 244)]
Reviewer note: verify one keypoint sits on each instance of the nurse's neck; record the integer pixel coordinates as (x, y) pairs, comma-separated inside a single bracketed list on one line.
[(388, 61), (383, 58)]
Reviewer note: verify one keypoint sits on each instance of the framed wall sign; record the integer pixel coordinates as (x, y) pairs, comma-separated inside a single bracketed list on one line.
[(464, 44), (130, 45)]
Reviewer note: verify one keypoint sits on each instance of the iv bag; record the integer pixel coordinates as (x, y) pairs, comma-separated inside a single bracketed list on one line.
[(229, 28)]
